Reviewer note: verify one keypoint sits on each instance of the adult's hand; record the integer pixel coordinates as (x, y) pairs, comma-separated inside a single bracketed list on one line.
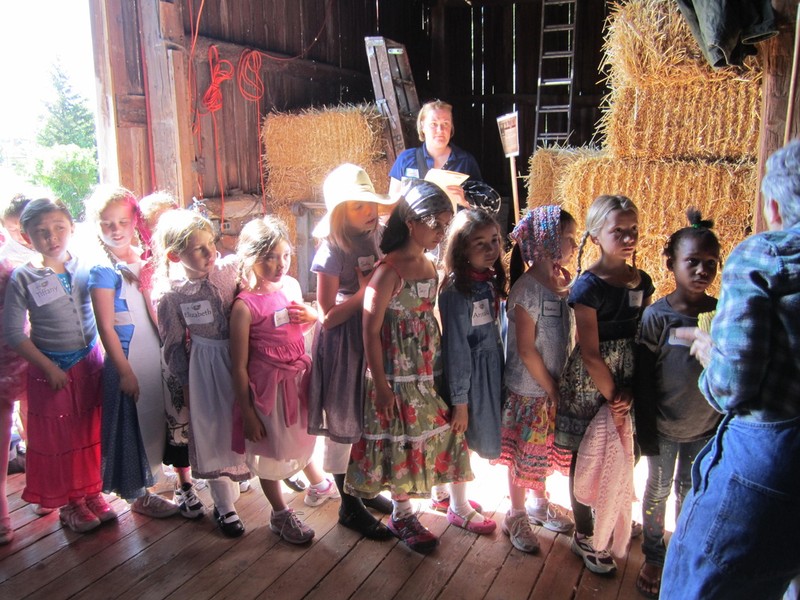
[(700, 340)]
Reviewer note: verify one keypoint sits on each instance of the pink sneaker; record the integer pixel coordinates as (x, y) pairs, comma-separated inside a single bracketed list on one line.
[(77, 516), (481, 528), (443, 505), (101, 509)]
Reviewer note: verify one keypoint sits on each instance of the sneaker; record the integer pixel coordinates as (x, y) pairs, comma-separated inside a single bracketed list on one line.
[(78, 517), (245, 486), (101, 509), (188, 503), (40, 510), (315, 497), (480, 527), (153, 505), (597, 561), (166, 480), (444, 504), (550, 516), (520, 532), (413, 533), (6, 531), (290, 528)]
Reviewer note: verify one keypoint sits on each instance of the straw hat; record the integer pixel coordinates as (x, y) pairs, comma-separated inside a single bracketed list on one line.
[(346, 183)]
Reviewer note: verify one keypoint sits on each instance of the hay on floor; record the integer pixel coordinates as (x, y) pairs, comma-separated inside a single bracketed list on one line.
[(545, 169), (302, 148), (662, 191), (711, 120)]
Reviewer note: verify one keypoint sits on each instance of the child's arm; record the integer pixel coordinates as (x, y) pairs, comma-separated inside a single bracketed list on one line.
[(103, 306), (454, 309), (56, 377), (589, 340), (525, 328), (300, 313), (335, 314), (240, 353), (376, 299), (172, 331)]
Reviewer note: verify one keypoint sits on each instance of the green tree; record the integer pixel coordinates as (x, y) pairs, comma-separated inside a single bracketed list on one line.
[(68, 171), (68, 120)]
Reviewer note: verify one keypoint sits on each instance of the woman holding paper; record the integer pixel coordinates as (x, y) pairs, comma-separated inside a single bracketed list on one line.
[(435, 129)]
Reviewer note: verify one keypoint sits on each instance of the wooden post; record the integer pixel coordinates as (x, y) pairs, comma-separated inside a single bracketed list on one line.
[(514, 191)]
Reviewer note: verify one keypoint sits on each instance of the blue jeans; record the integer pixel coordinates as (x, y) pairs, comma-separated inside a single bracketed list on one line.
[(660, 471), (737, 536)]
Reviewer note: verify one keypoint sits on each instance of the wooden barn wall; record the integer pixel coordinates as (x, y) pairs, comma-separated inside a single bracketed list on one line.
[(299, 70)]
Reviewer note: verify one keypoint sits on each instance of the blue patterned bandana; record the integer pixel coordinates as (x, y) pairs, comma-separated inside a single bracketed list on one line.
[(538, 234)]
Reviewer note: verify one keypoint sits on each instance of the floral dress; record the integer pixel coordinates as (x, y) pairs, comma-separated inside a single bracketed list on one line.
[(416, 449)]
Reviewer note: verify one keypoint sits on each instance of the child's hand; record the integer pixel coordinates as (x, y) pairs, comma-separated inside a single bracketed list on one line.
[(459, 418), (301, 314), (253, 427), (621, 403), (128, 384), (457, 192), (56, 377), (385, 401), (363, 278)]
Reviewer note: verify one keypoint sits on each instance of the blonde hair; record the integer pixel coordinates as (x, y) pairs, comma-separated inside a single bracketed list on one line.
[(338, 233), (429, 107), (102, 197), (173, 232), (258, 237), (597, 214), (156, 202)]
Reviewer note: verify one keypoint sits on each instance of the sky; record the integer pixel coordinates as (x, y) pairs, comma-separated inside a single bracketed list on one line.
[(33, 35)]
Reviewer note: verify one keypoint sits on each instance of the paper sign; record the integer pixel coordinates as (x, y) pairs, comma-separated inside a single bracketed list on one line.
[(444, 178), (509, 135)]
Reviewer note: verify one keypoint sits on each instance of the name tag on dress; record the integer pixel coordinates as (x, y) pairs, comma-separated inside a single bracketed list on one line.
[(674, 340), (197, 313), (47, 290), (551, 308), (481, 315), (635, 298), (365, 263), (424, 289), (281, 317)]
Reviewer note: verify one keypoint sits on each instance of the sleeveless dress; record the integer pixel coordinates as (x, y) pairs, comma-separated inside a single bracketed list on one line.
[(278, 368), (416, 449)]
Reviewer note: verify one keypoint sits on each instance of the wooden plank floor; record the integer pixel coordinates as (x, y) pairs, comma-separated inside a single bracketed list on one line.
[(137, 557)]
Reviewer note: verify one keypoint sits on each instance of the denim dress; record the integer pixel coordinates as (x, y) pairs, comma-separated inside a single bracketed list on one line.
[(473, 362)]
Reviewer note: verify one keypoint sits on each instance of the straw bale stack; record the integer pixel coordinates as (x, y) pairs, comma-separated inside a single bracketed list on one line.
[(649, 41), (546, 168), (302, 148), (663, 190), (710, 120)]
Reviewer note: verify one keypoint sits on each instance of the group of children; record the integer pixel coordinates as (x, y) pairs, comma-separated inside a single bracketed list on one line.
[(400, 403)]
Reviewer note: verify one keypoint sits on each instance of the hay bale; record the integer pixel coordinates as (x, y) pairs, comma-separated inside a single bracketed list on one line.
[(712, 120), (663, 190), (649, 41), (302, 148), (545, 169)]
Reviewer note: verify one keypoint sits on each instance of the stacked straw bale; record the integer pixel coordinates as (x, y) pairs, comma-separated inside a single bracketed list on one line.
[(302, 148), (663, 190), (546, 168)]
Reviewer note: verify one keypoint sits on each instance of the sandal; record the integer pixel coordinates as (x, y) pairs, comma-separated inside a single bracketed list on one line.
[(648, 585)]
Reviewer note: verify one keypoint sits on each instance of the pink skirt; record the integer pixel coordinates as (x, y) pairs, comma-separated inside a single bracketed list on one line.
[(63, 454)]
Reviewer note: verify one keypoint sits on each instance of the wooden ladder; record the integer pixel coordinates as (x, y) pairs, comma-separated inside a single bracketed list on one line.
[(556, 72), (395, 92)]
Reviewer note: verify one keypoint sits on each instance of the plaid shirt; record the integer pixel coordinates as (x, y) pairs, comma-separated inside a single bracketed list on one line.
[(754, 366)]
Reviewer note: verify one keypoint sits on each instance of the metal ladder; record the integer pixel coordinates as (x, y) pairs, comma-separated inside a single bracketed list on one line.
[(556, 72)]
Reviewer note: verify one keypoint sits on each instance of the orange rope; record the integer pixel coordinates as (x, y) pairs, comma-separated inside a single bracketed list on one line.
[(221, 70), (251, 86)]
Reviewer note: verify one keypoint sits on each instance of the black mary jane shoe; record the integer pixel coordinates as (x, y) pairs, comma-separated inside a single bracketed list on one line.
[(364, 523), (231, 529), (295, 483), (379, 503)]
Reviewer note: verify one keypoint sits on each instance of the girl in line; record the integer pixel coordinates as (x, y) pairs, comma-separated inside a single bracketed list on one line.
[(408, 445), (350, 234), (608, 299), (64, 395), (469, 303), (673, 419), (197, 306), (540, 338), (134, 429), (270, 373)]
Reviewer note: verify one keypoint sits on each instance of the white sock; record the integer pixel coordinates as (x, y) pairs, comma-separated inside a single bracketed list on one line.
[(439, 493), (459, 503), (537, 502), (322, 486), (224, 493), (402, 509)]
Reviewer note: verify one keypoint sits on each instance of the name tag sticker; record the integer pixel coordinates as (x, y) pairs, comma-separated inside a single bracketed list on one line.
[(481, 315), (365, 263), (197, 313), (412, 173), (47, 290), (674, 340), (423, 289), (635, 298), (551, 308), (281, 317)]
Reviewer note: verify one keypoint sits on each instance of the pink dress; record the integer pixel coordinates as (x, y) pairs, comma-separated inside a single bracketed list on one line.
[(278, 369)]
